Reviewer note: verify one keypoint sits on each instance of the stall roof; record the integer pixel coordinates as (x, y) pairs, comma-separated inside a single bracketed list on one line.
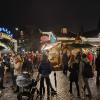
[(69, 34), (49, 46)]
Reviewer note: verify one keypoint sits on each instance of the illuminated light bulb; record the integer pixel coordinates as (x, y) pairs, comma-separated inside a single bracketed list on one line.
[(16, 29), (0, 29)]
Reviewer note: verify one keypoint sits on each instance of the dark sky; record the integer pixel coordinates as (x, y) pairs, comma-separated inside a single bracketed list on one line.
[(49, 13)]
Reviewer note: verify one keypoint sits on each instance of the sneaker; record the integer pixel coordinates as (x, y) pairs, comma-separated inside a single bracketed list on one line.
[(70, 92), (43, 91), (55, 93), (87, 95), (40, 97), (78, 96), (48, 96)]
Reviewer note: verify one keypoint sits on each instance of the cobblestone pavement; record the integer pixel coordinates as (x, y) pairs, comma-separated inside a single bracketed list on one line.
[(62, 89)]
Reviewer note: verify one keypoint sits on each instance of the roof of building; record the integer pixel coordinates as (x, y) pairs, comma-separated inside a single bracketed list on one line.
[(92, 33)]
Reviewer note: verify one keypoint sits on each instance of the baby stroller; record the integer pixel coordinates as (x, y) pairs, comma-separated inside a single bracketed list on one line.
[(27, 87)]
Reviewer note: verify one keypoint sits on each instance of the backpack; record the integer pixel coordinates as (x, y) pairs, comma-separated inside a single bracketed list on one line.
[(87, 70)]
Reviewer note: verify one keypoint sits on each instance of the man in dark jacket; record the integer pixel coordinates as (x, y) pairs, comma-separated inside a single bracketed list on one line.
[(27, 65), (73, 77), (97, 63), (65, 60), (45, 70)]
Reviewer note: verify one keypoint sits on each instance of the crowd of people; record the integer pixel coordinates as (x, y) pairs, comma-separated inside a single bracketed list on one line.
[(81, 68), (15, 64)]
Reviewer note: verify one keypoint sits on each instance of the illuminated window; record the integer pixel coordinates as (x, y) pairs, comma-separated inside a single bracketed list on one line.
[(64, 30)]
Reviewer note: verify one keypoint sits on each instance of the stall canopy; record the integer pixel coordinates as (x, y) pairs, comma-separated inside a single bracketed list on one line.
[(51, 37), (8, 40), (80, 45), (3, 46), (49, 46)]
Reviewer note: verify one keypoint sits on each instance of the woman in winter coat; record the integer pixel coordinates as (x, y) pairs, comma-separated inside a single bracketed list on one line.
[(74, 71)]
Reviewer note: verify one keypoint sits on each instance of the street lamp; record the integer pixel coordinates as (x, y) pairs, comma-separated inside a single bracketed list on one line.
[(16, 29)]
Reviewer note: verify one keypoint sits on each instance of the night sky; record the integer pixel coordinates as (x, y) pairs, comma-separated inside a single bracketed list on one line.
[(50, 13)]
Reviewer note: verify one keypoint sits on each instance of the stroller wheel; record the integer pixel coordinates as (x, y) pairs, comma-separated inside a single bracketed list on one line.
[(38, 92), (20, 97)]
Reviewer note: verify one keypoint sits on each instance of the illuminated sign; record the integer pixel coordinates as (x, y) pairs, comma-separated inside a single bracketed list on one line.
[(3, 45), (5, 30), (64, 30), (5, 36)]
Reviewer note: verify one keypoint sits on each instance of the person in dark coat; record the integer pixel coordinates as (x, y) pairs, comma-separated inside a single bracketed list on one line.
[(6, 61), (86, 73), (45, 69), (1, 74), (97, 63), (74, 73), (27, 65), (65, 60), (78, 56)]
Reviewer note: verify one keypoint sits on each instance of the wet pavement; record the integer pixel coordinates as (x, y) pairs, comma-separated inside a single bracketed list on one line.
[(62, 89)]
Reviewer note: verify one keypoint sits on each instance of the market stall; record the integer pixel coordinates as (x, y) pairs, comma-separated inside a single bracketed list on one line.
[(7, 39)]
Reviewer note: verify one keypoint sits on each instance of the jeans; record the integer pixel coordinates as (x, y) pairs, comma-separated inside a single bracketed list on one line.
[(12, 74), (97, 78), (42, 88), (86, 86), (1, 82), (14, 81), (77, 86), (65, 68)]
